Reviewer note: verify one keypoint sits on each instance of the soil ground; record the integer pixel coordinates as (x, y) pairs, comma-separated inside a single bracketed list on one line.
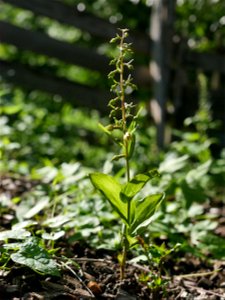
[(97, 277)]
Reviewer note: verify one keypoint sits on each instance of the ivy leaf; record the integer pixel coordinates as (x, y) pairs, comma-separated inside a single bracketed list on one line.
[(111, 189), (32, 255), (144, 210), (130, 189)]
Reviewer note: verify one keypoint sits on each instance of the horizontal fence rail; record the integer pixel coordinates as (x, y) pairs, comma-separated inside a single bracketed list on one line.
[(97, 27), (41, 43), (32, 79), (205, 61), (179, 61)]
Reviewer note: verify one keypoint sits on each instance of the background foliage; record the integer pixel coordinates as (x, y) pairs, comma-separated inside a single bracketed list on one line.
[(43, 138)]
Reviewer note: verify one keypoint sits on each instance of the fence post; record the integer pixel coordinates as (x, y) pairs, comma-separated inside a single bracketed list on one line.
[(161, 32)]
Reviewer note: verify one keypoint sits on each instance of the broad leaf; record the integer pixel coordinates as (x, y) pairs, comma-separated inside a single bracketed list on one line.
[(10, 109), (144, 210), (214, 244), (132, 241), (24, 224), (196, 174), (132, 211), (172, 163), (130, 189), (16, 234), (58, 221), (111, 189), (36, 258), (52, 236), (37, 208), (192, 194)]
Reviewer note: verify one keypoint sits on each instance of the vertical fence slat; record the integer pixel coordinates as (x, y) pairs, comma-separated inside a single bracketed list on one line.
[(161, 28)]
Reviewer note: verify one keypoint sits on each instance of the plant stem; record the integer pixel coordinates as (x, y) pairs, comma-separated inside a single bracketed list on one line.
[(125, 144), (128, 179), (125, 242), (124, 252), (122, 89)]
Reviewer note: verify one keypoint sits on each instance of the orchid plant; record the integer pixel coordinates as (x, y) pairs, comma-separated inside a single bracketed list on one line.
[(135, 212)]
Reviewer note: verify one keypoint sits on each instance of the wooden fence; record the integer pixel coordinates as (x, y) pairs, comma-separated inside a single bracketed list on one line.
[(166, 77)]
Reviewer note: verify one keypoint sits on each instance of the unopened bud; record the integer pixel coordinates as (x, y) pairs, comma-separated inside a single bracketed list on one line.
[(127, 136), (110, 127)]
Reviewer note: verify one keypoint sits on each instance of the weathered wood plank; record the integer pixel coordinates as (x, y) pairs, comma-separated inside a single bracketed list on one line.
[(32, 79), (71, 16), (204, 61), (43, 44), (160, 67)]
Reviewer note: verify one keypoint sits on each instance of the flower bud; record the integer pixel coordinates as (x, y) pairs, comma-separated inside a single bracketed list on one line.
[(127, 137)]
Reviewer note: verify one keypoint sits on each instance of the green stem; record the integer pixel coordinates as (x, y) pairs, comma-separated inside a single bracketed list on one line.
[(125, 244), (124, 252), (122, 90), (128, 179)]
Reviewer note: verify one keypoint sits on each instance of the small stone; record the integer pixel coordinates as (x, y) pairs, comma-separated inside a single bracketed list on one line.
[(94, 287)]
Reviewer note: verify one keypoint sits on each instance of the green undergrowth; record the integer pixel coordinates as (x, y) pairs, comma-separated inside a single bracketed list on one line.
[(49, 124), (57, 146)]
